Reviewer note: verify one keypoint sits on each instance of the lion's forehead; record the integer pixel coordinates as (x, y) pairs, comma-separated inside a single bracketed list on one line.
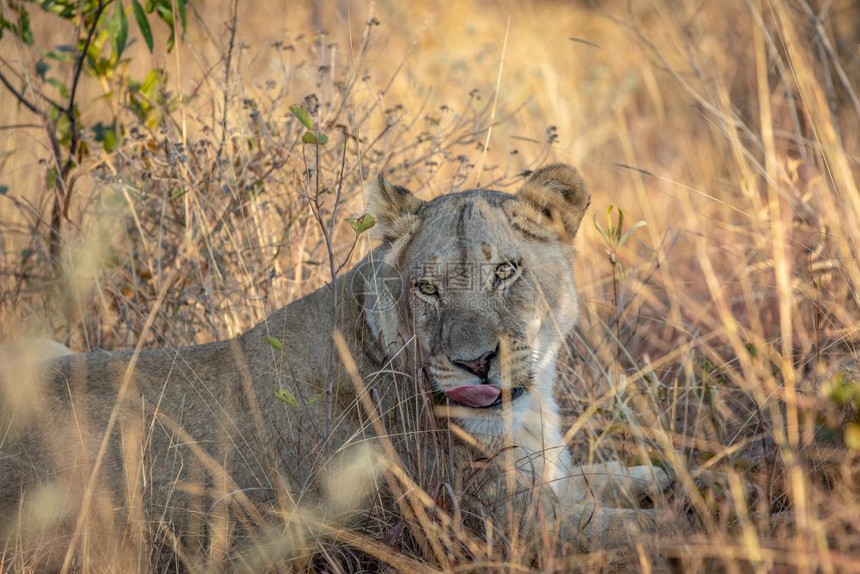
[(468, 214), (471, 233), (466, 228)]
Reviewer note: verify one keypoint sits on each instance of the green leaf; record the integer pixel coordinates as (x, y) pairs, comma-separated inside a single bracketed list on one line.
[(61, 9), (621, 274), (310, 138), (5, 25), (61, 87), (626, 236), (42, 68), (275, 343), (60, 55), (142, 23), (150, 83), (610, 229), (106, 135), (614, 231), (51, 179), (287, 397), (303, 116), (118, 28), (99, 131), (852, 436), (4, 189), (842, 390), (109, 143), (24, 31), (165, 12), (600, 230), (361, 224), (183, 18)]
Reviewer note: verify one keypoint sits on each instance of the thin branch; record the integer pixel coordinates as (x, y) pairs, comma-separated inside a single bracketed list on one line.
[(21, 127), (76, 78), (62, 187), (79, 64), (339, 184), (22, 99), (234, 24), (38, 93)]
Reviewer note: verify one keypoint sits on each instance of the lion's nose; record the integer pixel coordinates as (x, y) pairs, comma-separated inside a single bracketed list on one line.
[(479, 367)]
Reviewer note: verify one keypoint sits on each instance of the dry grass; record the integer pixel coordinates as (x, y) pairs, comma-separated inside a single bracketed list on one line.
[(730, 128)]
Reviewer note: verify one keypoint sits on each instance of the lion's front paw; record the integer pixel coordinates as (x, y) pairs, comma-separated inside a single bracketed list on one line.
[(622, 504), (630, 487)]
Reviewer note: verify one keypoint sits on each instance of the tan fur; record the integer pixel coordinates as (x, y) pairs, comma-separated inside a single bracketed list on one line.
[(189, 434), (560, 192)]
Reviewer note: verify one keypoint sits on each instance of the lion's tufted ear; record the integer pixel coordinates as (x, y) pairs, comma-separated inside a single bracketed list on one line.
[(559, 196), (394, 208)]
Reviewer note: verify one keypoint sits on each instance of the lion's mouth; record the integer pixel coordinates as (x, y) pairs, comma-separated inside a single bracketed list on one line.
[(481, 396)]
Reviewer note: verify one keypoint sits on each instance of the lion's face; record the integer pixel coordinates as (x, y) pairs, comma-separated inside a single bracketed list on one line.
[(489, 290)]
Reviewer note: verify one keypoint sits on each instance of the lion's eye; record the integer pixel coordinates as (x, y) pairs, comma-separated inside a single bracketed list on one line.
[(425, 287), (506, 270)]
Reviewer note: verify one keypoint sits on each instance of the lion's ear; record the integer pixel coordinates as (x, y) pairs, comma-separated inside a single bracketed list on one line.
[(560, 195), (393, 207)]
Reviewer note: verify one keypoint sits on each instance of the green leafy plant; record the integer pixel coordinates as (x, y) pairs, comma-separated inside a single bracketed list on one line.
[(311, 136), (286, 397), (275, 343), (361, 224), (51, 89), (843, 390), (614, 237)]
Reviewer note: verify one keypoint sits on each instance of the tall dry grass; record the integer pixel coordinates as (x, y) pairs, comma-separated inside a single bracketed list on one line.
[(724, 338)]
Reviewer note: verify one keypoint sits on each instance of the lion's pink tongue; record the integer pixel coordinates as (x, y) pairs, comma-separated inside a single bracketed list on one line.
[(474, 395)]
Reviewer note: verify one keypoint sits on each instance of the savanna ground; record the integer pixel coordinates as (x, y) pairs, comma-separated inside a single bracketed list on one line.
[(719, 336)]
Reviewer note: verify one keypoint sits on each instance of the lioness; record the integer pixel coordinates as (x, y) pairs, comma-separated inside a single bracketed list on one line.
[(461, 313)]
